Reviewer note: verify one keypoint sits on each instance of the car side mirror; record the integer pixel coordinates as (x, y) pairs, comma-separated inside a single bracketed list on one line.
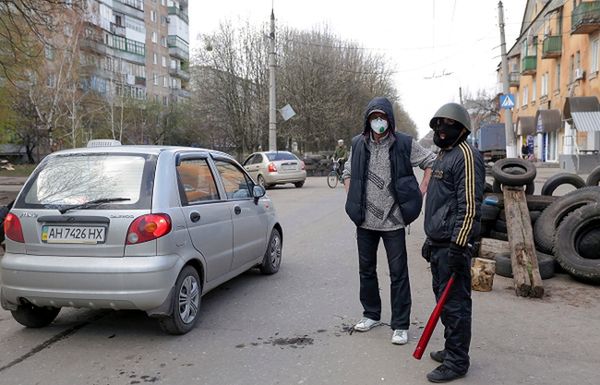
[(258, 192)]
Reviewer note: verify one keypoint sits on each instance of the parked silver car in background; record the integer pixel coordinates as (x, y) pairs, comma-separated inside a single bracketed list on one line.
[(272, 168), (133, 227)]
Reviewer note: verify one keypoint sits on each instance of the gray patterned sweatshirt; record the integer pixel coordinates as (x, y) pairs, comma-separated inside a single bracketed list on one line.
[(383, 213)]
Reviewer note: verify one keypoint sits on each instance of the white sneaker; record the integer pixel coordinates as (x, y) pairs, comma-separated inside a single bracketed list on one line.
[(366, 324), (400, 337)]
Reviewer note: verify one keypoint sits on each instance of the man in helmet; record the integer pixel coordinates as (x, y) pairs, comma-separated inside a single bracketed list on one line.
[(452, 222), (340, 155), (384, 197)]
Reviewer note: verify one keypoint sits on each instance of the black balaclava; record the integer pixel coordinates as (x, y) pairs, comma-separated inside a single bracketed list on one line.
[(453, 135)]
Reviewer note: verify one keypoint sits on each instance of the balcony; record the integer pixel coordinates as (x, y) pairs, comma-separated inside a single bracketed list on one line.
[(586, 18), (118, 30), (176, 11), (514, 79), (178, 48), (552, 47), (94, 46), (529, 65), (180, 92), (179, 73)]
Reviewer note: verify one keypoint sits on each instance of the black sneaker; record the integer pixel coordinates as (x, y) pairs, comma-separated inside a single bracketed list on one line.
[(437, 356), (443, 374)]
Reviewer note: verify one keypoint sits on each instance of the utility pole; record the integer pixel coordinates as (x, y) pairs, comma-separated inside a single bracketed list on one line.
[(511, 148), (272, 98), (460, 95)]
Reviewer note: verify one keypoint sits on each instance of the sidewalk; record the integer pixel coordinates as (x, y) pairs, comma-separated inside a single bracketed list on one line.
[(12, 180)]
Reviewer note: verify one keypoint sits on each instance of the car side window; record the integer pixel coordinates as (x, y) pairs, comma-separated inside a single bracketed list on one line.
[(237, 184), (249, 160), (258, 158), (197, 181)]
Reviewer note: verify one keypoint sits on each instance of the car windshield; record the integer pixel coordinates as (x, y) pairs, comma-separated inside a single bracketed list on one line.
[(76, 179), (273, 156)]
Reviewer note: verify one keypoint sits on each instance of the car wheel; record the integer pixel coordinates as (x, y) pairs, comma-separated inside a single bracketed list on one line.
[(299, 184), (272, 259), (34, 316), (559, 179), (261, 181), (185, 303)]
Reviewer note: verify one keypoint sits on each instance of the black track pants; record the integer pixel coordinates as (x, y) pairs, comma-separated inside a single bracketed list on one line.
[(456, 315), (395, 247)]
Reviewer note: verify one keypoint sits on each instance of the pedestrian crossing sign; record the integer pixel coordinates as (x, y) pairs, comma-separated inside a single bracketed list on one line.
[(507, 101)]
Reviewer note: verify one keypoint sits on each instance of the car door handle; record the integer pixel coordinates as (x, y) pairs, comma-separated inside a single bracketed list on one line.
[(194, 216), (237, 210)]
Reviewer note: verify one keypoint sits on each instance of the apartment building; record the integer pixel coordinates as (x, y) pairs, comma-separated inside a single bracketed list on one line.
[(554, 75), (137, 49)]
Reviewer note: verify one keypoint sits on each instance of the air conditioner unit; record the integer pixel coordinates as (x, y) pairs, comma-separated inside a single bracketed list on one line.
[(579, 73)]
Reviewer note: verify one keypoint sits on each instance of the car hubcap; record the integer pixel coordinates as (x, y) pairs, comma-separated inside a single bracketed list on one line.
[(261, 181), (275, 251), (189, 299)]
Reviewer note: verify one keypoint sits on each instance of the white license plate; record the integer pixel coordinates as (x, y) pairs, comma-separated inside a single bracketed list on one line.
[(73, 234), (288, 167)]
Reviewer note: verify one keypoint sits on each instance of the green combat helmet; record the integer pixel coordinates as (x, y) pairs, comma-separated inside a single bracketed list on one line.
[(453, 111)]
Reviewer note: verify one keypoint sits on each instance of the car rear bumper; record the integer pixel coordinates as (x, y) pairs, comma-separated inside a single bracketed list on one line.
[(288, 177), (141, 283)]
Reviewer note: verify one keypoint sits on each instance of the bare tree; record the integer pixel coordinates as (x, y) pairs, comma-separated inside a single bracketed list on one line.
[(482, 107)]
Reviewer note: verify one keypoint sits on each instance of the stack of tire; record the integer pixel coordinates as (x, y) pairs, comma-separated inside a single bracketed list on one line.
[(579, 255)]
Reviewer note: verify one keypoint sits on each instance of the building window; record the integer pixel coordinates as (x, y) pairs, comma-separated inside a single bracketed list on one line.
[(154, 37), (533, 90), (154, 58), (153, 16), (594, 58), (164, 61), (525, 96), (165, 81), (51, 81), (544, 89), (49, 52), (163, 41), (155, 79), (165, 100), (557, 80)]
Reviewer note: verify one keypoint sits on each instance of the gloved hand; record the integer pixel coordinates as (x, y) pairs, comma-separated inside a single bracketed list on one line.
[(426, 251), (457, 258)]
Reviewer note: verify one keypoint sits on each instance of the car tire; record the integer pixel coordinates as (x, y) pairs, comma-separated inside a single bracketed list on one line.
[(489, 212), (500, 226), (185, 303), (589, 244), (498, 235), (299, 184), (514, 171), (559, 179), (567, 250), (534, 215), (272, 258), (529, 187), (594, 178), (545, 265), (260, 180), (33, 316), (553, 215)]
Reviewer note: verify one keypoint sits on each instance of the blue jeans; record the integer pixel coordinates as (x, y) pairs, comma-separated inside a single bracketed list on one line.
[(395, 247)]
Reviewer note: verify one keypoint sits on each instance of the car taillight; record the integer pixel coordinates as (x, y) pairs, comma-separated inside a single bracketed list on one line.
[(271, 167), (301, 165), (148, 227), (13, 229)]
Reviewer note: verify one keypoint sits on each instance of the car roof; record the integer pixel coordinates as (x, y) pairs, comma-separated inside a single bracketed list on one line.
[(140, 149)]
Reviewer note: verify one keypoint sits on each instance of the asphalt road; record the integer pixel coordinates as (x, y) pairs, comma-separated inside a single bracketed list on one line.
[(292, 327)]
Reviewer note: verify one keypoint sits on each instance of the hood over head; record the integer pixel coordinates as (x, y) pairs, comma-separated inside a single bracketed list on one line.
[(380, 104)]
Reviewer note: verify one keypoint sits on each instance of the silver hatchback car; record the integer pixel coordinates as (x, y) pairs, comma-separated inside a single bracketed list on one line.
[(133, 227), (276, 167)]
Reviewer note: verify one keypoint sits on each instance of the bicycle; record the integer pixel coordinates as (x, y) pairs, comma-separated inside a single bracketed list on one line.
[(334, 177)]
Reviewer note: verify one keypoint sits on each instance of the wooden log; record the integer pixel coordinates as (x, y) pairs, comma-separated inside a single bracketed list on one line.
[(526, 273), (490, 247)]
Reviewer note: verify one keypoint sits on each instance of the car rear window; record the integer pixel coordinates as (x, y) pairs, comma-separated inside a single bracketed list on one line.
[(72, 179), (274, 156)]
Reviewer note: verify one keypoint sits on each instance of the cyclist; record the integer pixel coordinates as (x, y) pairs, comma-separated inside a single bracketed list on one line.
[(340, 155)]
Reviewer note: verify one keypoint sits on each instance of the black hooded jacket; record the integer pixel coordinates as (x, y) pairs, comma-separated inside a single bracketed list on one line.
[(405, 186)]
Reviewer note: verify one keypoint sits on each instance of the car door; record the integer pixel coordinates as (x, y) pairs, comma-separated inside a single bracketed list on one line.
[(249, 218), (207, 216), (252, 165)]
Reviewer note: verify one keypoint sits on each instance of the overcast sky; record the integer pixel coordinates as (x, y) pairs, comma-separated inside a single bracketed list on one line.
[(434, 46)]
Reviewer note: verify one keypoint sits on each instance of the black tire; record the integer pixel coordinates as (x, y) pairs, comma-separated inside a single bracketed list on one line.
[(500, 226), (260, 180), (589, 244), (514, 171), (498, 235), (502, 215), (534, 202), (189, 288), (545, 265), (529, 188), (488, 188), (332, 179), (534, 215), (567, 250), (559, 179), (272, 259), (594, 178), (299, 184), (34, 316), (552, 216), (489, 212)]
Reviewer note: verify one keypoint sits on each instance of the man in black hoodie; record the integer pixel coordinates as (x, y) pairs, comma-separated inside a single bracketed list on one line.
[(452, 222), (384, 197)]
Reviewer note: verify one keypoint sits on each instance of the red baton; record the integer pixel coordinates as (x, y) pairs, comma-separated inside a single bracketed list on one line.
[(433, 320)]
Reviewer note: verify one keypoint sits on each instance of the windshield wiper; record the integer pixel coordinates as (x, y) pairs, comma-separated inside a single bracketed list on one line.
[(92, 203)]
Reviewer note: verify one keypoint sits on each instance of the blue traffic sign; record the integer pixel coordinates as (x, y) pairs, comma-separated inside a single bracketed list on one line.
[(507, 101)]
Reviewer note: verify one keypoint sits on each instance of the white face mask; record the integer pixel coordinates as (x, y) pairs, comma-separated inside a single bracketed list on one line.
[(379, 125)]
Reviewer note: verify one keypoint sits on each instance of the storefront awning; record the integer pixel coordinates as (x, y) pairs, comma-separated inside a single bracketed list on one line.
[(525, 125), (584, 111), (547, 121)]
